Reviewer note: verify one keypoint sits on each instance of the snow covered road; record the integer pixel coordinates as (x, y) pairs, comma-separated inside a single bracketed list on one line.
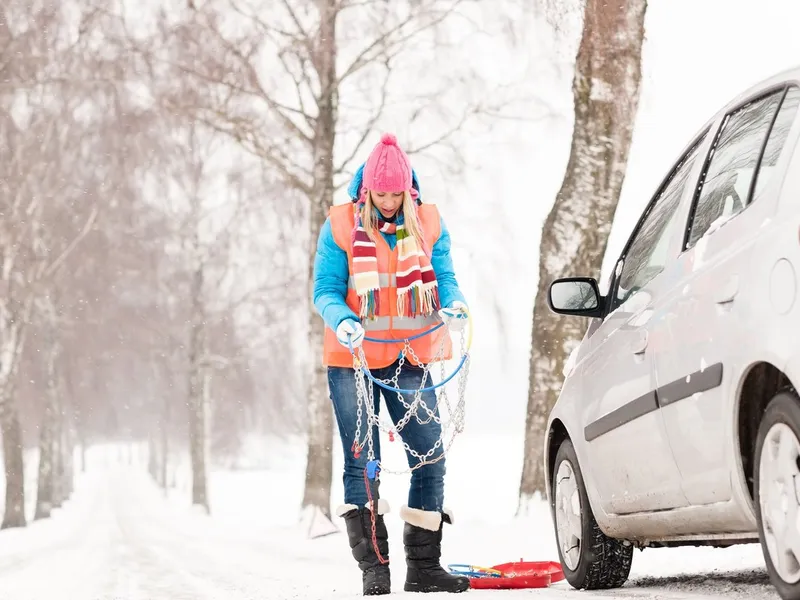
[(119, 538)]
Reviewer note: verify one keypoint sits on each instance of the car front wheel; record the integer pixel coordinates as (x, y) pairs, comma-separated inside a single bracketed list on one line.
[(590, 559), (777, 492)]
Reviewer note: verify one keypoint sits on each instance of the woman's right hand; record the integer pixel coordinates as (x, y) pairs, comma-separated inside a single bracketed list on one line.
[(350, 333)]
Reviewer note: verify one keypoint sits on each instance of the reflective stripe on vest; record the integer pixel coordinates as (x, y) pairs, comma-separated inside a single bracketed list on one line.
[(435, 346), (402, 323)]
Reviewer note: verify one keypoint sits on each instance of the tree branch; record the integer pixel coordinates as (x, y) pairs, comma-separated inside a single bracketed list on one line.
[(384, 44), (87, 227), (252, 144), (373, 121), (255, 80)]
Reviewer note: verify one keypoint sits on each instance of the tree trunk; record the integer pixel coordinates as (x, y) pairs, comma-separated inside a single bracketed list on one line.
[(160, 444), (162, 474), (152, 457), (10, 348), (197, 404), (69, 460), (80, 438), (64, 465), (574, 237), (59, 448), (14, 466), (46, 494), (58, 461), (44, 489), (319, 465), (208, 414)]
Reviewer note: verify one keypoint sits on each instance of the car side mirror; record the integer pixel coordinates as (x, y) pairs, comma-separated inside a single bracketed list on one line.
[(576, 296)]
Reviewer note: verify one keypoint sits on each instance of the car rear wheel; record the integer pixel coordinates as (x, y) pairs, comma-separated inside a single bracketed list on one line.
[(590, 559), (777, 492)]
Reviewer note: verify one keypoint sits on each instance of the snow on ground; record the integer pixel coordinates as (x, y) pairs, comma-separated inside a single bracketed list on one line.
[(120, 538)]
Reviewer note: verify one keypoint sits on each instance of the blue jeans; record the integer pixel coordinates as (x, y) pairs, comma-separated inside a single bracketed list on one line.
[(427, 482)]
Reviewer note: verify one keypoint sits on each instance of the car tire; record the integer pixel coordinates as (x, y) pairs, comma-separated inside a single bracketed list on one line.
[(595, 561), (777, 455)]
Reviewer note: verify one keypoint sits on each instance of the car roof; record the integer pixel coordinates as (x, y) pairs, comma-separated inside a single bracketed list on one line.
[(773, 81), (756, 89), (765, 84)]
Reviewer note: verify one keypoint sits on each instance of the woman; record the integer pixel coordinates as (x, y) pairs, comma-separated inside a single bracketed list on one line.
[(383, 270)]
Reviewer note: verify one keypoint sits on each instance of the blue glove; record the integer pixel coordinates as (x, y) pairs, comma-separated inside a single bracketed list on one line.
[(455, 315), (350, 333)]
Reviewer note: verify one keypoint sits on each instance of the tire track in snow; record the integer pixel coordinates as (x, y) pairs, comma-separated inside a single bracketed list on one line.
[(141, 571), (65, 527), (165, 567), (230, 558), (709, 586), (193, 548), (737, 585), (73, 563)]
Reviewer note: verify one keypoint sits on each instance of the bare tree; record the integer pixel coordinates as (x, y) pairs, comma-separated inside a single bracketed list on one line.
[(606, 95), (208, 193), (27, 257)]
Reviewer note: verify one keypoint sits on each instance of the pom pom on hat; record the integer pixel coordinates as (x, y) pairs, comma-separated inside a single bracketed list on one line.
[(388, 139)]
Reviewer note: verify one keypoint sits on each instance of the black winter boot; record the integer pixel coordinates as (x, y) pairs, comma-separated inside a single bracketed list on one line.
[(375, 570), (422, 537)]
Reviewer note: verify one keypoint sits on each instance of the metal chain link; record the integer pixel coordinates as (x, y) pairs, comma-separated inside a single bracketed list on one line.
[(365, 396)]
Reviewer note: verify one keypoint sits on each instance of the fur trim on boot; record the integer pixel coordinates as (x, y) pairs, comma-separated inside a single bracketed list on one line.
[(383, 508), (426, 519)]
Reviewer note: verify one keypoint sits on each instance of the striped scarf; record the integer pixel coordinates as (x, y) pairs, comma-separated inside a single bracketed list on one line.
[(417, 291)]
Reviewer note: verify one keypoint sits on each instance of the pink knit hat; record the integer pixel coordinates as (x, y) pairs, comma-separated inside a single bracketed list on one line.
[(388, 168)]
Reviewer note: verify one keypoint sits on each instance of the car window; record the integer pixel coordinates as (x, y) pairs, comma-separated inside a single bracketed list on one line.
[(723, 192), (777, 139), (647, 254)]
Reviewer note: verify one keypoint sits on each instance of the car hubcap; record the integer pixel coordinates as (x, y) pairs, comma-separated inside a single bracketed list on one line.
[(568, 515), (778, 487)]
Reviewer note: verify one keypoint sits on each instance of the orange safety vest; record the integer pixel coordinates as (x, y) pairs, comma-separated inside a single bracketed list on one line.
[(387, 325)]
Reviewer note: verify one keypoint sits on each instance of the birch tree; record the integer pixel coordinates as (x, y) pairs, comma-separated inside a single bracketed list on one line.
[(32, 252), (48, 492), (183, 195), (28, 256), (59, 299), (208, 193), (605, 94), (26, 260)]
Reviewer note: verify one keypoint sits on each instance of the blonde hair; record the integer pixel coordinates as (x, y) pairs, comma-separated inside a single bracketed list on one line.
[(369, 218)]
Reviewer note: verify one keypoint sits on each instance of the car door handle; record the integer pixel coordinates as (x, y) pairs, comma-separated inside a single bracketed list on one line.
[(728, 291), (640, 345)]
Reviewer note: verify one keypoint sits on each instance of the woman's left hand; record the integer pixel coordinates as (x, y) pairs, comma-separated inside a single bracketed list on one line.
[(455, 315)]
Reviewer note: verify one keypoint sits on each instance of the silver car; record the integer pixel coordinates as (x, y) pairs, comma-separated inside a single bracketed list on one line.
[(678, 422)]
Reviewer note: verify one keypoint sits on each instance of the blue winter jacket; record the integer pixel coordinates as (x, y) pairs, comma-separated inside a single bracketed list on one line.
[(332, 272)]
